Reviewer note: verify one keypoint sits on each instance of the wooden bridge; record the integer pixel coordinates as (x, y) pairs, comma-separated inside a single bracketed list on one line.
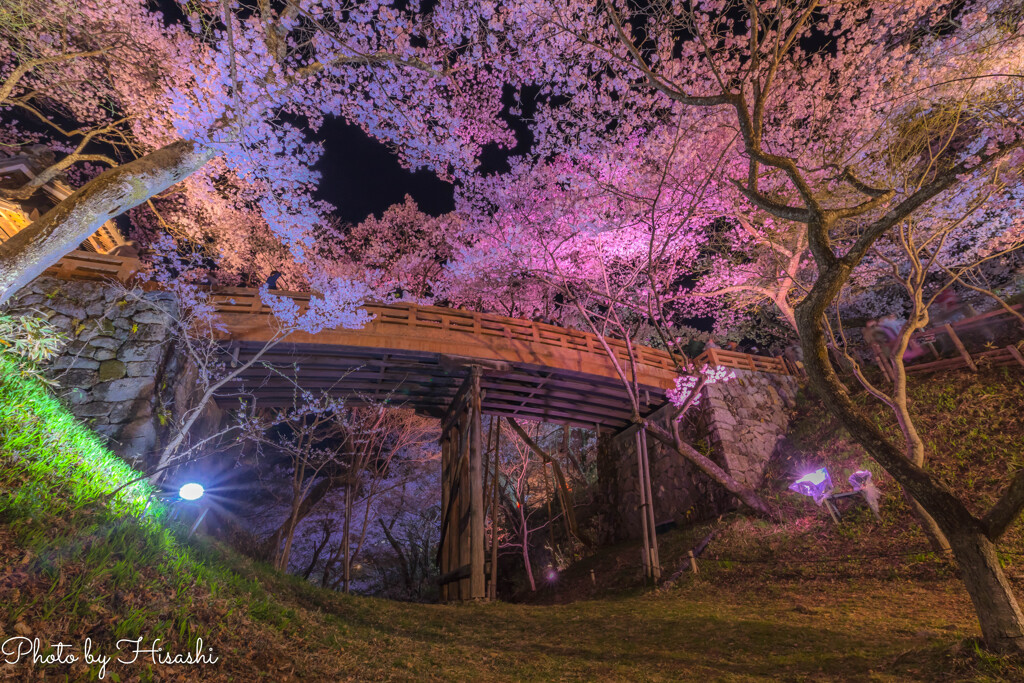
[(419, 356), (451, 364)]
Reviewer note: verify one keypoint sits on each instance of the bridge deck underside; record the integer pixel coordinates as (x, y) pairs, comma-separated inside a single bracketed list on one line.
[(427, 382)]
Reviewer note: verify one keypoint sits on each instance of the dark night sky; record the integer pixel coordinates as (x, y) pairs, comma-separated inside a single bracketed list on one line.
[(361, 176)]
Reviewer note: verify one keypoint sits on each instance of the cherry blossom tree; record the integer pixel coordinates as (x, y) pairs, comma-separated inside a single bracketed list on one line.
[(612, 240), (825, 97), (517, 480), (332, 449), (403, 253), (198, 331), (403, 544), (217, 98)]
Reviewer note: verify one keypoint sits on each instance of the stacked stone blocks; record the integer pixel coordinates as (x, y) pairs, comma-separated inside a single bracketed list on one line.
[(736, 423), (118, 358)]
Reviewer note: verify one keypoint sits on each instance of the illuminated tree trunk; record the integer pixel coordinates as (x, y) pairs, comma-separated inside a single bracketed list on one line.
[(293, 518), (525, 539), (61, 229)]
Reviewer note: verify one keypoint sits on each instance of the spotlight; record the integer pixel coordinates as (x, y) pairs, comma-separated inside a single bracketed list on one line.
[(551, 574), (191, 491), (817, 485)]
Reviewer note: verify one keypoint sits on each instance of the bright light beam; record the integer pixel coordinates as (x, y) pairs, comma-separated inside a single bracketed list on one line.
[(191, 491)]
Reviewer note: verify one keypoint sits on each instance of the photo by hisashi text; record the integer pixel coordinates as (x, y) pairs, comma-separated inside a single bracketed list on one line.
[(127, 651)]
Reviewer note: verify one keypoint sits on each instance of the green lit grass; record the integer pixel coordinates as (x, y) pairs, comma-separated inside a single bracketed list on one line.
[(42, 441)]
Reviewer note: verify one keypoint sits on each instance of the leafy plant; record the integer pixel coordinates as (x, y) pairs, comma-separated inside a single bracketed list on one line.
[(31, 339), (28, 342)]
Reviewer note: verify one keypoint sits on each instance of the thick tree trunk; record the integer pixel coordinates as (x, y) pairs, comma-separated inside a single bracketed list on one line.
[(1002, 624), (26, 255)]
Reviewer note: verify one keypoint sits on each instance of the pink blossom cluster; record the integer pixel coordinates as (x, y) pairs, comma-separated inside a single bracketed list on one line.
[(683, 394)]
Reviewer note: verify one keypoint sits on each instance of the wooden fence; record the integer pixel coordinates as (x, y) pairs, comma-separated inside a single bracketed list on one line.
[(1005, 355), (746, 361), (491, 325), (245, 301), (985, 323), (412, 316), (86, 265)]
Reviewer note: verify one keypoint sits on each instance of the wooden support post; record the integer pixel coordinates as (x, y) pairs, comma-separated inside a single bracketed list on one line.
[(454, 505), (651, 525), (693, 561), (477, 587), (565, 454), (487, 473), (960, 347), (455, 492), (463, 520), (445, 493), (493, 592), (547, 494)]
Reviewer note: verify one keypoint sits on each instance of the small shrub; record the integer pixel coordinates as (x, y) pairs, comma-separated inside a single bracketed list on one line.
[(28, 342)]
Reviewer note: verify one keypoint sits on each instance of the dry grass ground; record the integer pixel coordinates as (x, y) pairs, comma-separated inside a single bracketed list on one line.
[(787, 602)]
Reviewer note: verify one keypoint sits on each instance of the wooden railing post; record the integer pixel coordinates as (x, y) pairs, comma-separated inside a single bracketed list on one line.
[(960, 347)]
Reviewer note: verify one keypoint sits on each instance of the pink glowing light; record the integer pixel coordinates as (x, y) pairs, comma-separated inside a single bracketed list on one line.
[(817, 485)]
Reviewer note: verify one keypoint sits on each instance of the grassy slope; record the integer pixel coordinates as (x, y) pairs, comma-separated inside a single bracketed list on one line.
[(73, 567)]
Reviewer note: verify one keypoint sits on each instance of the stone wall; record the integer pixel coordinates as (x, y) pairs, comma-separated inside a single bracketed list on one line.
[(744, 419), (118, 370), (681, 492), (737, 423)]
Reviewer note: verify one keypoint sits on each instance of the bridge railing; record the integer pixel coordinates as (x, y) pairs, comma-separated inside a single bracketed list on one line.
[(247, 301), (239, 300), (86, 265), (743, 361)]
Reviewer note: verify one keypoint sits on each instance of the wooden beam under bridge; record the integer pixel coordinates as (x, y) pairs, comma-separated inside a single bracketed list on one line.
[(461, 551)]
